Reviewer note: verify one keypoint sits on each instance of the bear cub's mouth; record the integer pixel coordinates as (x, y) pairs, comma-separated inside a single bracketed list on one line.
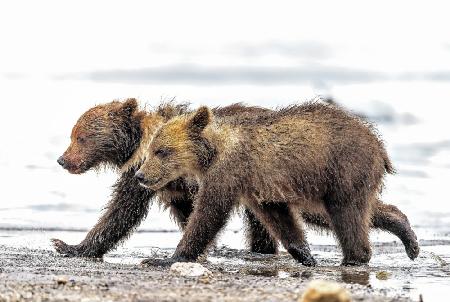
[(149, 183), (77, 169)]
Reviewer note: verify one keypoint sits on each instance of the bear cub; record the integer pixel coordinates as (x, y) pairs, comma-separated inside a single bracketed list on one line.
[(302, 158)]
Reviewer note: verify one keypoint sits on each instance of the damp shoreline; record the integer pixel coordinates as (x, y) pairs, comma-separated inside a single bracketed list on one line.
[(38, 274)]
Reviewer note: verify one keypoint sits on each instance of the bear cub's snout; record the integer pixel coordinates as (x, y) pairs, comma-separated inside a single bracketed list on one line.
[(61, 161)]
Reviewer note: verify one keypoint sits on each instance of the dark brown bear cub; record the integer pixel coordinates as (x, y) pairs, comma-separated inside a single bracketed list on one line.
[(311, 158), (114, 135)]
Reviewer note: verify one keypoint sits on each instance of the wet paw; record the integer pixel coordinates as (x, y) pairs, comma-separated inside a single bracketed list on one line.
[(269, 249), (309, 261), (64, 249), (356, 257), (412, 250), (302, 255)]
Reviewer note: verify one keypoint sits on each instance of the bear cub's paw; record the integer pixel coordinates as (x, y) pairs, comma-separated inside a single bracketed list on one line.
[(412, 250), (64, 249)]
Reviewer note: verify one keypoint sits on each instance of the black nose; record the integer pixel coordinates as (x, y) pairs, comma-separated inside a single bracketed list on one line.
[(140, 176), (61, 161)]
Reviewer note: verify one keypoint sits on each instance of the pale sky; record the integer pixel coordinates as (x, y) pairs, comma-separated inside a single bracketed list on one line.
[(356, 39)]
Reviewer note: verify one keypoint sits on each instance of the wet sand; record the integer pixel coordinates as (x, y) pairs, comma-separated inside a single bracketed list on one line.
[(237, 275)]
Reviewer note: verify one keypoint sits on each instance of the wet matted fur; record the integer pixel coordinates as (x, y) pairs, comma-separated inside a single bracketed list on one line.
[(115, 135), (310, 158)]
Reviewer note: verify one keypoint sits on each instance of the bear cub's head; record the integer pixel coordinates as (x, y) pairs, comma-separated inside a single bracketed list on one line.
[(102, 135), (177, 149)]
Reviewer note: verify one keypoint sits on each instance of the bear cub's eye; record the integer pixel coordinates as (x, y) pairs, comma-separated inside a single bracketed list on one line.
[(84, 138), (162, 152)]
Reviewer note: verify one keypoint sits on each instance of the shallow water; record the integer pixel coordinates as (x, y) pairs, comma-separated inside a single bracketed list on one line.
[(389, 271)]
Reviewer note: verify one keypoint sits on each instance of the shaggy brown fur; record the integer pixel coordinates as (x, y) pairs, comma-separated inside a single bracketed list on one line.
[(110, 135), (312, 158), (115, 135)]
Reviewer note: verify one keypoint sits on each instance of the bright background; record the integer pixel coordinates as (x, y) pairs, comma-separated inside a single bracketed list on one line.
[(388, 60)]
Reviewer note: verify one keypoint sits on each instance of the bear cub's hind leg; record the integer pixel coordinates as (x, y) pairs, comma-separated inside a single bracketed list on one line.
[(351, 227), (259, 239), (390, 218)]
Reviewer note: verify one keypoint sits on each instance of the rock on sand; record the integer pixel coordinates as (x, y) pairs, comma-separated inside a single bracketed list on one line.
[(190, 269), (324, 291)]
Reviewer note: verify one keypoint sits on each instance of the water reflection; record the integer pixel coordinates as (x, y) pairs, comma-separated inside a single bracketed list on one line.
[(262, 272), (358, 277)]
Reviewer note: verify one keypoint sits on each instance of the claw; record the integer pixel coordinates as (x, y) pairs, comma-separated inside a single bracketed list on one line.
[(58, 244), (63, 248), (310, 262), (413, 251), (302, 254)]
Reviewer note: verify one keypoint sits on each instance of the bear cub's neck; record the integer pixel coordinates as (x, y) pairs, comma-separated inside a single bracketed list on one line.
[(146, 124), (217, 141), (128, 137)]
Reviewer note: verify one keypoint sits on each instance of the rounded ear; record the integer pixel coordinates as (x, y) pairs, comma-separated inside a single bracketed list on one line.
[(129, 106), (201, 118), (125, 109)]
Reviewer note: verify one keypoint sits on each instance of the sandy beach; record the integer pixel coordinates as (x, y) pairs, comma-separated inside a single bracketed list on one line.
[(28, 274)]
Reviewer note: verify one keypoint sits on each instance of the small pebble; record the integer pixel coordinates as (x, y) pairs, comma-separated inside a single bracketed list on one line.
[(61, 280), (382, 275), (190, 269)]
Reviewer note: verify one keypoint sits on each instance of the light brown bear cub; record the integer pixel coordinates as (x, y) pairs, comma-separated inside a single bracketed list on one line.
[(310, 157)]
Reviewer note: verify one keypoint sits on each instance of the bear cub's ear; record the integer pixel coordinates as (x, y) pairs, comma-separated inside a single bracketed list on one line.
[(201, 118), (125, 109), (129, 106)]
